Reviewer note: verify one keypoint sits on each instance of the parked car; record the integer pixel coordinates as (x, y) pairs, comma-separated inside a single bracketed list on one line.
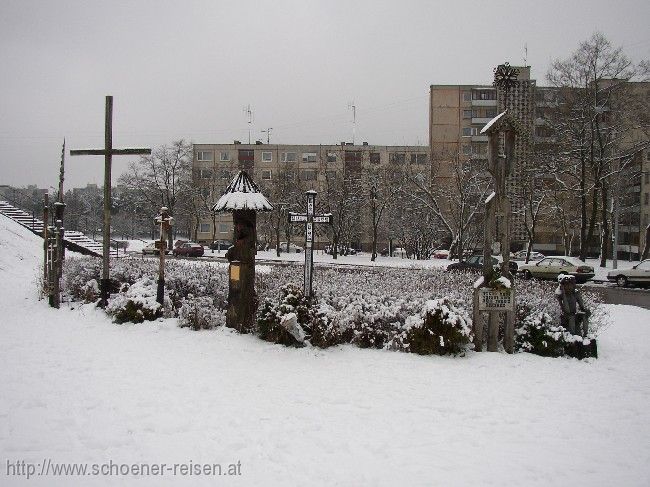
[(441, 254), (551, 267), (150, 249), (220, 245), (189, 249), (397, 252), (637, 275), (292, 247), (475, 263), (342, 250), (521, 255)]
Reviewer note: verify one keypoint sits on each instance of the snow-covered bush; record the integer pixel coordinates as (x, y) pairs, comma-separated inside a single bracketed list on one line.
[(199, 313), (80, 276), (290, 300), (441, 328), (538, 333), (135, 303)]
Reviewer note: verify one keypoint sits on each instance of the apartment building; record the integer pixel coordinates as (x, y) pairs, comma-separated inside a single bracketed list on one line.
[(280, 169), (456, 116), (458, 113)]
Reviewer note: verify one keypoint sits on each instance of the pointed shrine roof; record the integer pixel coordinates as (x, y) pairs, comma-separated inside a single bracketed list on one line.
[(242, 194), (503, 121)]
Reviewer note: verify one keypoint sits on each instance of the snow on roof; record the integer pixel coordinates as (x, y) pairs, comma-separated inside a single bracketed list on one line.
[(493, 121), (242, 194)]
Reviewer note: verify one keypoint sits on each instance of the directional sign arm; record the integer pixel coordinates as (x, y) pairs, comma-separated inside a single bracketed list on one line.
[(297, 217)]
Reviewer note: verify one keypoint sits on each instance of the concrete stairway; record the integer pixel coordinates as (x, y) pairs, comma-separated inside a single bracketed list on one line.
[(74, 240)]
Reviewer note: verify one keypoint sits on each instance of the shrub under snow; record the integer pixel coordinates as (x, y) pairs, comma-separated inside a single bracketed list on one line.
[(366, 307), (441, 328), (135, 303)]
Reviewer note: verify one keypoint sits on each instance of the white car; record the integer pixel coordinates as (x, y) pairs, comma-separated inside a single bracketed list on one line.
[(292, 247), (638, 274), (552, 267)]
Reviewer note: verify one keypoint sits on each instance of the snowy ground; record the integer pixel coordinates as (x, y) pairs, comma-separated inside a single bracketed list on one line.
[(77, 388)]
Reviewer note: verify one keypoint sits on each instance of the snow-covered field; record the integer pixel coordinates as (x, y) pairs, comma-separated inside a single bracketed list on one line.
[(77, 388)]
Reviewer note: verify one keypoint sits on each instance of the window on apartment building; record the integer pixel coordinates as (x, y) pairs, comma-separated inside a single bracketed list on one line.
[(205, 173), (646, 199), (266, 175), (267, 156), (204, 228), (224, 228), (490, 112), (647, 155), (224, 156), (467, 96), (204, 156), (647, 178), (467, 150), (418, 158), (308, 175), (467, 113), (225, 174), (289, 175), (397, 158), (479, 148), (330, 175), (205, 192), (331, 157), (469, 131), (246, 155), (375, 158), (288, 157), (308, 157)]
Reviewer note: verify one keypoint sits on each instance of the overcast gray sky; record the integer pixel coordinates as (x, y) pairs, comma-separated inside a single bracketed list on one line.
[(186, 69)]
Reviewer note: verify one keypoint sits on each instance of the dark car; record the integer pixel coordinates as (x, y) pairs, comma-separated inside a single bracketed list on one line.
[(475, 263), (220, 245), (189, 249)]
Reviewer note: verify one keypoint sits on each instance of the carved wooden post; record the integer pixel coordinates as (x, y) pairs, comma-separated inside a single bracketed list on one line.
[(490, 295), (243, 198)]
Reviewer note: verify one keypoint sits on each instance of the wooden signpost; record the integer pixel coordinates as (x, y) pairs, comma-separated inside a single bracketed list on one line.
[(309, 219), (108, 152)]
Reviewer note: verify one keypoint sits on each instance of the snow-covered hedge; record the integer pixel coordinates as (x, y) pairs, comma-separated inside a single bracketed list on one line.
[(441, 328), (366, 307), (135, 303)]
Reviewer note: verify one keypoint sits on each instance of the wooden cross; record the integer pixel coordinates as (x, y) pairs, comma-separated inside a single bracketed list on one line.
[(108, 152), (309, 219)]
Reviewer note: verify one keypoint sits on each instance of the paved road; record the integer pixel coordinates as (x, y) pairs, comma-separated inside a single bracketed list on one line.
[(619, 295)]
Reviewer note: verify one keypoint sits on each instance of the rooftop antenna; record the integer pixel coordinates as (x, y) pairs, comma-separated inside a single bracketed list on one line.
[(353, 107), (268, 134), (249, 115), (525, 54)]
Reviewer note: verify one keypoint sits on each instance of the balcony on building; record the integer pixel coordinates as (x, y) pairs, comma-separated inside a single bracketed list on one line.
[(481, 120), (479, 138), (484, 97)]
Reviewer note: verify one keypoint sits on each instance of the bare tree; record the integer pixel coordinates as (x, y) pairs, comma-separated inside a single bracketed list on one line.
[(164, 178), (590, 125), (456, 198)]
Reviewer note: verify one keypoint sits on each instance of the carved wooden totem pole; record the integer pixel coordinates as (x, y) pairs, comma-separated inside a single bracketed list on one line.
[(494, 293), (243, 198)]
